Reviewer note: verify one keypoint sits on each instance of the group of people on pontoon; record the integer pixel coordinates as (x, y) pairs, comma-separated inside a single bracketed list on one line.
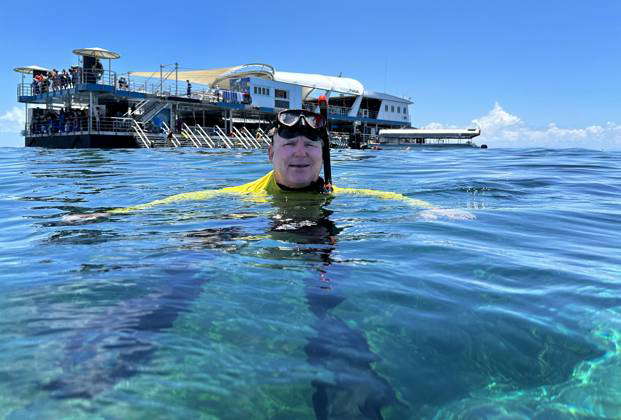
[(62, 121), (55, 80)]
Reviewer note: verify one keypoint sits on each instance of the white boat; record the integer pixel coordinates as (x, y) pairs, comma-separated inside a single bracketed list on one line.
[(406, 137)]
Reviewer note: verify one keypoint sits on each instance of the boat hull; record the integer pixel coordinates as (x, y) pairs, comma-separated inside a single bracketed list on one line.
[(82, 141)]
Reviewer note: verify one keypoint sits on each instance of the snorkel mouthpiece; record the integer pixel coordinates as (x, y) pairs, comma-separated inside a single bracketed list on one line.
[(327, 167)]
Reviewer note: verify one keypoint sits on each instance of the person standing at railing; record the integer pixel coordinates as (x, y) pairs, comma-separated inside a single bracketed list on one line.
[(189, 89), (98, 69), (123, 83), (34, 85), (45, 84), (64, 79), (53, 79), (75, 75)]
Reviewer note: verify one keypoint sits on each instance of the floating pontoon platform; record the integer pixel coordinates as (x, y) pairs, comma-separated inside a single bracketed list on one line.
[(428, 137)]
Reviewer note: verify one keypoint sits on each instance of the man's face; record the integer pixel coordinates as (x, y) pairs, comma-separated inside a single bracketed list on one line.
[(297, 160)]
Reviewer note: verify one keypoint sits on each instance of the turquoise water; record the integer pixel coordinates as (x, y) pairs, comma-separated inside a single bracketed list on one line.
[(349, 308)]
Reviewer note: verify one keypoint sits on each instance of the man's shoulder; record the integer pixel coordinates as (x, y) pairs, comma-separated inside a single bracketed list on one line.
[(259, 186)]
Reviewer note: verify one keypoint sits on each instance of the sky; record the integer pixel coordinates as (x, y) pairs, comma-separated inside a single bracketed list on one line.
[(529, 73)]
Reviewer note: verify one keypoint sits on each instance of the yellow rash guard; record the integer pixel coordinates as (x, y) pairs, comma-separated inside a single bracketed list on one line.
[(266, 186)]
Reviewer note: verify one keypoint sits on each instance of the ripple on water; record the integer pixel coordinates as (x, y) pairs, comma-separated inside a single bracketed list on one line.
[(236, 309)]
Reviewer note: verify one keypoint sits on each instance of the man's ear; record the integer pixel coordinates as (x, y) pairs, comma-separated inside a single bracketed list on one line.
[(270, 152)]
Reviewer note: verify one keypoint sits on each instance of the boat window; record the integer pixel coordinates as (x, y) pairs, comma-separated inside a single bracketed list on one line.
[(279, 93), (398, 110), (386, 108), (392, 108)]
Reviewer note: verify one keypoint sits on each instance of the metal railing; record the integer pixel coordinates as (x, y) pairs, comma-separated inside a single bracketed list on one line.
[(142, 136), (166, 88), (262, 135), (171, 135), (63, 81), (57, 125), (338, 110), (342, 110)]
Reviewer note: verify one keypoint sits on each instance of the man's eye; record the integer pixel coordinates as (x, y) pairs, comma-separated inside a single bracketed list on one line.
[(311, 144)]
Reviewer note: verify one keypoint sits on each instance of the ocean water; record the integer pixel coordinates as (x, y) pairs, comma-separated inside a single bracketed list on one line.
[(342, 309)]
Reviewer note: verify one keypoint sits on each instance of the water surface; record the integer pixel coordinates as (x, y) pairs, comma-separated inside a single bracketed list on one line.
[(343, 308)]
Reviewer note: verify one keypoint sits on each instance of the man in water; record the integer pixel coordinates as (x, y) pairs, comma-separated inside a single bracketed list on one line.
[(296, 155)]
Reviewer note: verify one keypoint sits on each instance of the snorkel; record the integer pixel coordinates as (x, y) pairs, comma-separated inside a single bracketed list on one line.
[(327, 167)]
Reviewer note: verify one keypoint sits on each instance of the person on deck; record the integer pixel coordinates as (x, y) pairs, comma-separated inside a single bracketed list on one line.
[(296, 157), (98, 70)]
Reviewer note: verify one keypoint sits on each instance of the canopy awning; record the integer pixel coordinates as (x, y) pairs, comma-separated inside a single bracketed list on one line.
[(30, 69), (97, 53), (204, 77), (220, 77)]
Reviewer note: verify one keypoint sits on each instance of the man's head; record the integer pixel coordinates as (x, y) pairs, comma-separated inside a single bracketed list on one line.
[(296, 149)]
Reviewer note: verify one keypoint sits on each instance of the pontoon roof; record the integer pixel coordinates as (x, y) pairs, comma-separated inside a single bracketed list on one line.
[(30, 69), (221, 75), (320, 81), (97, 53), (380, 95)]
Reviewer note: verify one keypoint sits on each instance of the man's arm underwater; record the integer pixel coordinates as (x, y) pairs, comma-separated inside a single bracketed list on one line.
[(257, 189), (189, 196), (431, 212)]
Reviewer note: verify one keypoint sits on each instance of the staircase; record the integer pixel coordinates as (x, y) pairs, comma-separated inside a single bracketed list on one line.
[(147, 109), (197, 136), (149, 140)]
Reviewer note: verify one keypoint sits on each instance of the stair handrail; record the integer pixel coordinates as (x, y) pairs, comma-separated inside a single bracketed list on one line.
[(252, 137), (241, 138), (198, 135), (157, 107), (223, 136), (211, 143), (131, 112), (193, 133), (248, 136), (264, 136), (249, 139), (141, 134), (187, 136), (172, 134)]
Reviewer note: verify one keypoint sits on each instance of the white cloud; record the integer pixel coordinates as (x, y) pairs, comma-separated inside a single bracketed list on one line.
[(500, 128), (13, 120)]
